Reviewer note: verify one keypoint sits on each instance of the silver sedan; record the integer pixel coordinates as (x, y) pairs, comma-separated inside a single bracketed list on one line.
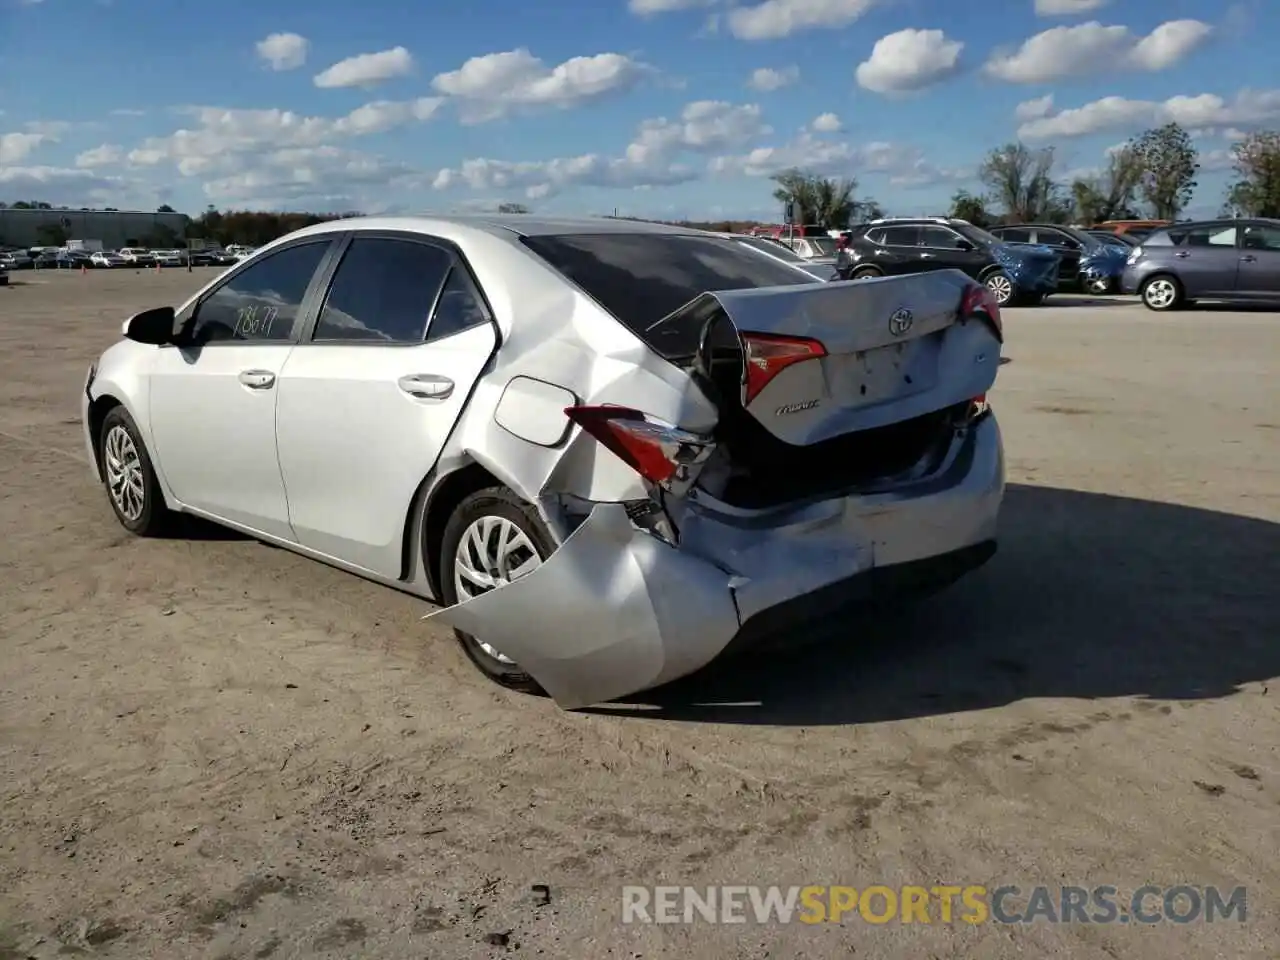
[(611, 451)]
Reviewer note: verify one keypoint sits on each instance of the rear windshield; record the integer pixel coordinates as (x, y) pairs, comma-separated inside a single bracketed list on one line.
[(642, 277)]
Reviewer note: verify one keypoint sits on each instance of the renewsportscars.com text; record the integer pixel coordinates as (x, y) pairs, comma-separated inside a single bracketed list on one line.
[(970, 904)]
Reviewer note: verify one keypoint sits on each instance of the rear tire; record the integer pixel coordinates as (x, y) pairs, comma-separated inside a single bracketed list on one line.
[(1162, 293), (469, 545), (866, 273), (129, 479)]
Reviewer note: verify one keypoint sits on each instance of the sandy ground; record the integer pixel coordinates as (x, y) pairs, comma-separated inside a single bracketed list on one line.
[(211, 748)]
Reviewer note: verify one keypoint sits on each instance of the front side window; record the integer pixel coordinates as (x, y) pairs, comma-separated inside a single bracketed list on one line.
[(1015, 235), (1261, 238), (261, 302), (383, 291)]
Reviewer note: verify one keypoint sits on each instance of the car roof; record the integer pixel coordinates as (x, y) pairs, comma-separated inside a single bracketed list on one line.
[(459, 228)]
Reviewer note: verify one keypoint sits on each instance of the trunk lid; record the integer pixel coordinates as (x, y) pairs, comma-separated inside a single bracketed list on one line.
[(892, 349)]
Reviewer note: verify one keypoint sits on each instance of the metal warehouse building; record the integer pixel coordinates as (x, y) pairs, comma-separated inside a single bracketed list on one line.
[(115, 228)]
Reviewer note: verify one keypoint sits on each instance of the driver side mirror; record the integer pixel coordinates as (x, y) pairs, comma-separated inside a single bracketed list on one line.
[(964, 245), (153, 327)]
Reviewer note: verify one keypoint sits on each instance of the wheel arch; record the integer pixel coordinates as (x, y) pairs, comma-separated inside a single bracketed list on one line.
[(441, 500), (99, 407), (988, 270)]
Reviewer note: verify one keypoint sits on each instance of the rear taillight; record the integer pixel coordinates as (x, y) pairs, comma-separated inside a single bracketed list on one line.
[(981, 302), (661, 453), (765, 356)]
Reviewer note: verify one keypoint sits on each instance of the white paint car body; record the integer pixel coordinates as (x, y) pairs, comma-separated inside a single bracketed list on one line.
[(664, 548)]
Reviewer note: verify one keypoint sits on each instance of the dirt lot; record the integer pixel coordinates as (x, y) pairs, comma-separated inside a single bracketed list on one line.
[(211, 748)]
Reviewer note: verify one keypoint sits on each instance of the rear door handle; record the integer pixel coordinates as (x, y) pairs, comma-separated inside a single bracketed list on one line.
[(926, 256), (1182, 254), (426, 386), (1249, 258), (257, 379)]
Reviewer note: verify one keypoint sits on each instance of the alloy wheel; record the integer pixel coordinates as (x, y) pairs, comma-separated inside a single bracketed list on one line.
[(493, 552), (1160, 294), (1001, 288), (123, 469)]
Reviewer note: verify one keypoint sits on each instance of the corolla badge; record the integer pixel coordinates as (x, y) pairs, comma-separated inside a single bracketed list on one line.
[(900, 321)]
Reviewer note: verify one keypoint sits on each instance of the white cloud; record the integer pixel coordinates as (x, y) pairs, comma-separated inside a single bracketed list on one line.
[(647, 8), (492, 86), (1090, 48), (651, 159), (1067, 8), (826, 123), (767, 79), (324, 177), (1249, 108), (18, 146), (1034, 109), (775, 19), (367, 69), (228, 139), (905, 166), (104, 156), (909, 60), (75, 188), (283, 51)]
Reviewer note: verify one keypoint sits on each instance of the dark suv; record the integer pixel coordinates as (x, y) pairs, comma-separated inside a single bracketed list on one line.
[(1084, 261), (1210, 260), (1014, 273)]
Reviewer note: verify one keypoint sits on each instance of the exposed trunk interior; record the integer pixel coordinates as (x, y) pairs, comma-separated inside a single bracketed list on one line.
[(756, 470)]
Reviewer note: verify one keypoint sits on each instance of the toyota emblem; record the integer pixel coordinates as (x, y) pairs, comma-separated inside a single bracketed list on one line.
[(900, 322)]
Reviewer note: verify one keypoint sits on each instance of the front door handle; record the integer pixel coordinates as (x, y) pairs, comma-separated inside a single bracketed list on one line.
[(1249, 258), (1182, 254), (426, 386), (257, 379)]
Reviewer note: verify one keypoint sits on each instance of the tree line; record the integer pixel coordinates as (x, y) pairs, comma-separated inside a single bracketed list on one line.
[(1153, 174)]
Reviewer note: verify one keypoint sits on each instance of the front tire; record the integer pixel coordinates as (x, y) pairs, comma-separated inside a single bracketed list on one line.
[(1098, 286), (1001, 287), (492, 539), (129, 478), (1162, 294)]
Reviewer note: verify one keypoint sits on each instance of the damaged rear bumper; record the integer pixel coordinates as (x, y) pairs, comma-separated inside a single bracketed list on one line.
[(616, 610)]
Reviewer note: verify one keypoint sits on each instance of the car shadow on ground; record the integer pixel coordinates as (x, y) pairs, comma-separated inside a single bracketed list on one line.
[(1089, 596), (184, 526), (1089, 300)]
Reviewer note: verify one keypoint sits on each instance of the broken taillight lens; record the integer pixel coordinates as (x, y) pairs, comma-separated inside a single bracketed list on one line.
[(978, 301), (661, 453), (766, 355)]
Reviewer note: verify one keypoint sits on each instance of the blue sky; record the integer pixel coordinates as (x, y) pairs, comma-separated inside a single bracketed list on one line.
[(666, 108)]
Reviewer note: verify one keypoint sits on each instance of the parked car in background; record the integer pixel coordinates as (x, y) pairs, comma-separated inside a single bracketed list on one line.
[(608, 449), (812, 248), (169, 258), (891, 247), (138, 257), (45, 259), (1137, 229), (819, 268), (1084, 262), (4, 274), (219, 258), (16, 260), (107, 258), (1207, 260), (73, 260)]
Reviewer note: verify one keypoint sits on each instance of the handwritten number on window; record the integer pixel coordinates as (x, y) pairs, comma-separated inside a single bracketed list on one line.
[(254, 322)]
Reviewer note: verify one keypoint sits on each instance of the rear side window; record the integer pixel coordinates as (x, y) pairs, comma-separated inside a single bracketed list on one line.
[(642, 278), (261, 302), (383, 291)]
